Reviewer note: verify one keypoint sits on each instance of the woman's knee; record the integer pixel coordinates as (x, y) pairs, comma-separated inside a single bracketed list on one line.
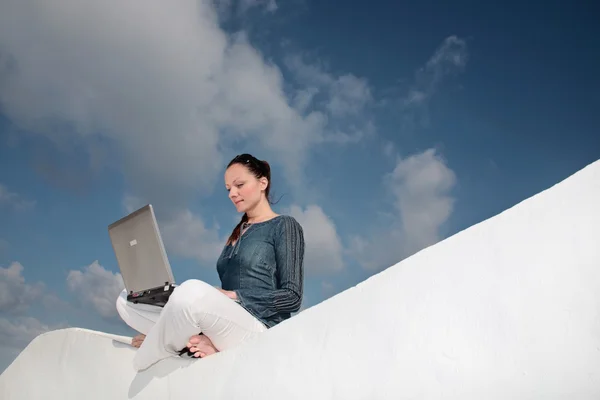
[(189, 292)]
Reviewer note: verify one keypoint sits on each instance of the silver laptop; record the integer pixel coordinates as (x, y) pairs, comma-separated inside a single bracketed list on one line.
[(142, 258)]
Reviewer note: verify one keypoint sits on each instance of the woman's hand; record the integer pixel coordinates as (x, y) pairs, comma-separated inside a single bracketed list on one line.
[(229, 293), (138, 340)]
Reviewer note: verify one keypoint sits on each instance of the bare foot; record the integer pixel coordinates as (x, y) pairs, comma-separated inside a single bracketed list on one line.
[(137, 340), (201, 346)]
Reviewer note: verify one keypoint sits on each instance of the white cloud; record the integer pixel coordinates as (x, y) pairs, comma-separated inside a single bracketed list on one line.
[(187, 235), (131, 203), (349, 95), (269, 5), (164, 87), (344, 95), (323, 253), (16, 296), (17, 333), (97, 287), (420, 185), (345, 99), (449, 58), (238, 7), (14, 200)]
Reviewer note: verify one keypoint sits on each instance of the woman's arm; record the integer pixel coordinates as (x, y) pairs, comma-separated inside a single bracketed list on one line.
[(289, 253)]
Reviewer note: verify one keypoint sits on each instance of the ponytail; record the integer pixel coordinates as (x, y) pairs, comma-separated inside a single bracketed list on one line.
[(237, 230)]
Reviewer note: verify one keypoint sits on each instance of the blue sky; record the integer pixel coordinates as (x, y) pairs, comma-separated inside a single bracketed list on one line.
[(388, 127)]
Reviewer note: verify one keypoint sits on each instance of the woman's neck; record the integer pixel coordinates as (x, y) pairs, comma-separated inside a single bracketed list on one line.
[(260, 213)]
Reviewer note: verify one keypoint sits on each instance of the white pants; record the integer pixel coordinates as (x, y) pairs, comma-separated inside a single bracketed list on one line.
[(194, 307)]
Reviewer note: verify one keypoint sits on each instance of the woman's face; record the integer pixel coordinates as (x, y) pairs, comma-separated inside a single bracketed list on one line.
[(245, 190)]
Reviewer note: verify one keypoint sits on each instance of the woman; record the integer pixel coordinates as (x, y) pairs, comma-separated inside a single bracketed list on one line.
[(261, 269)]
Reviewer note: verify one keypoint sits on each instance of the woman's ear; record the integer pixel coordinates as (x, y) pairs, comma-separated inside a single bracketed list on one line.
[(264, 182)]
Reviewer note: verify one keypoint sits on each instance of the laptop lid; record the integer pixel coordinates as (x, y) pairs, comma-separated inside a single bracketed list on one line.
[(140, 251)]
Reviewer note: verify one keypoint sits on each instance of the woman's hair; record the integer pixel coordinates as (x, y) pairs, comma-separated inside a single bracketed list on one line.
[(259, 169)]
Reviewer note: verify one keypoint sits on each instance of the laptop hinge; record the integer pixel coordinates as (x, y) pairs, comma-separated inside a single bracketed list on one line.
[(157, 296)]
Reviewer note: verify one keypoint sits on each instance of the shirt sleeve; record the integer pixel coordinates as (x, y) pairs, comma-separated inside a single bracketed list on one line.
[(289, 256)]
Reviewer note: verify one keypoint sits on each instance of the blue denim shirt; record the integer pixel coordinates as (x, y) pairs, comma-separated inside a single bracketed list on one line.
[(265, 267)]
